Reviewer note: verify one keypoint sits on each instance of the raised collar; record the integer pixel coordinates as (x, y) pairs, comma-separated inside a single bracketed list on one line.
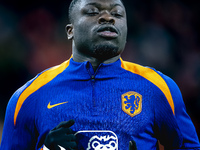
[(85, 70)]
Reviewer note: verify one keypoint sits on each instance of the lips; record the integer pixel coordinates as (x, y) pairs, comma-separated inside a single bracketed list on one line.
[(107, 32)]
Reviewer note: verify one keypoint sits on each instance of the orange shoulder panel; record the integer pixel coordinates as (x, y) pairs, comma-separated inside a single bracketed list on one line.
[(152, 76), (40, 81)]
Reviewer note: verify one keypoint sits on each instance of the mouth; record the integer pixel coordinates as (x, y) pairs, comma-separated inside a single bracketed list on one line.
[(107, 32)]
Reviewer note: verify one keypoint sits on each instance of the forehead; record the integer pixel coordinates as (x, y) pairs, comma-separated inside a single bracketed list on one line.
[(101, 3)]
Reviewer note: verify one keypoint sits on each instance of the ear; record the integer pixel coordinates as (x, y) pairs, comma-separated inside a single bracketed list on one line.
[(70, 31)]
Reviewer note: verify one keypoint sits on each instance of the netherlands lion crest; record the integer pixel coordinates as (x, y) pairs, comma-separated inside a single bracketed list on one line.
[(132, 103)]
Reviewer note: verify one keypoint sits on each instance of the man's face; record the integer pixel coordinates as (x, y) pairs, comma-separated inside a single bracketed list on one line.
[(99, 28)]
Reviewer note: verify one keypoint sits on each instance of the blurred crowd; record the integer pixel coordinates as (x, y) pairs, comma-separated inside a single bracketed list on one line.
[(163, 34)]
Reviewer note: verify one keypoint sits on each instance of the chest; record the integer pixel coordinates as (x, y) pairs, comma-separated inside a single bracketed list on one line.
[(111, 101), (108, 108)]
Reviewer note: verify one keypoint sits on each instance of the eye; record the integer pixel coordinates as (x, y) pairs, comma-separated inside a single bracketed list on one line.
[(92, 12), (117, 14)]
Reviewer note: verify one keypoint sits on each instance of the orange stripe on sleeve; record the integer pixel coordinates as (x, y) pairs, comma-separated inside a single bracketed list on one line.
[(152, 76), (43, 79)]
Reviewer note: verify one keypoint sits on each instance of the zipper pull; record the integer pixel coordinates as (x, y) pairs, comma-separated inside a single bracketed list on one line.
[(93, 77)]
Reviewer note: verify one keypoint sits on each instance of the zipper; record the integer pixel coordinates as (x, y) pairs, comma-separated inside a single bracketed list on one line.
[(93, 90), (93, 80)]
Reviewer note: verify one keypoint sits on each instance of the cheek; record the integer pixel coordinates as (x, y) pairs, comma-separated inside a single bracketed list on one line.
[(82, 30), (80, 33), (124, 29), (83, 24), (123, 37), (124, 32)]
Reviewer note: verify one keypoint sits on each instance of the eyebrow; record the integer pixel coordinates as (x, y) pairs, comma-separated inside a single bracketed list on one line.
[(99, 5)]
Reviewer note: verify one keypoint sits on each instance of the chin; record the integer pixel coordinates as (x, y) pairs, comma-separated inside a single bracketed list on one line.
[(105, 51)]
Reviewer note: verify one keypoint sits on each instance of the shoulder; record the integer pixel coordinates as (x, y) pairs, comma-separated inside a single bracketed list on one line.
[(156, 77), (162, 81), (21, 95)]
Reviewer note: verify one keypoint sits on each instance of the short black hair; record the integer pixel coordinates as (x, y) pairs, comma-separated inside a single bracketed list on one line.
[(71, 6)]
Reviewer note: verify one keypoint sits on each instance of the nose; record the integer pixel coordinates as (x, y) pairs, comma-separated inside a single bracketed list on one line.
[(106, 18)]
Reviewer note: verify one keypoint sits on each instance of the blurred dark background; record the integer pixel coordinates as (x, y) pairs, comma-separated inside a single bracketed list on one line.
[(164, 34)]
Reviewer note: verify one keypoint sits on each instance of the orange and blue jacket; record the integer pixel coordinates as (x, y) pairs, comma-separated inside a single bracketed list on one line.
[(117, 103)]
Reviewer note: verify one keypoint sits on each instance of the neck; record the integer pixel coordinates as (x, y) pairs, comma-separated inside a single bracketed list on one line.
[(79, 57)]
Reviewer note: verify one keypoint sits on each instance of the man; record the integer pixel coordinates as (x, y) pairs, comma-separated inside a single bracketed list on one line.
[(95, 100)]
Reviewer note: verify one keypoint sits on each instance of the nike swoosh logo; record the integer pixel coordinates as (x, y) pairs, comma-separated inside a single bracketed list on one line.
[(49, 106)]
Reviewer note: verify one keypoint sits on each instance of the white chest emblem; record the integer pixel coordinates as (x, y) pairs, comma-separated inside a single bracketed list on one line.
[(102, 143), (98, 140)]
